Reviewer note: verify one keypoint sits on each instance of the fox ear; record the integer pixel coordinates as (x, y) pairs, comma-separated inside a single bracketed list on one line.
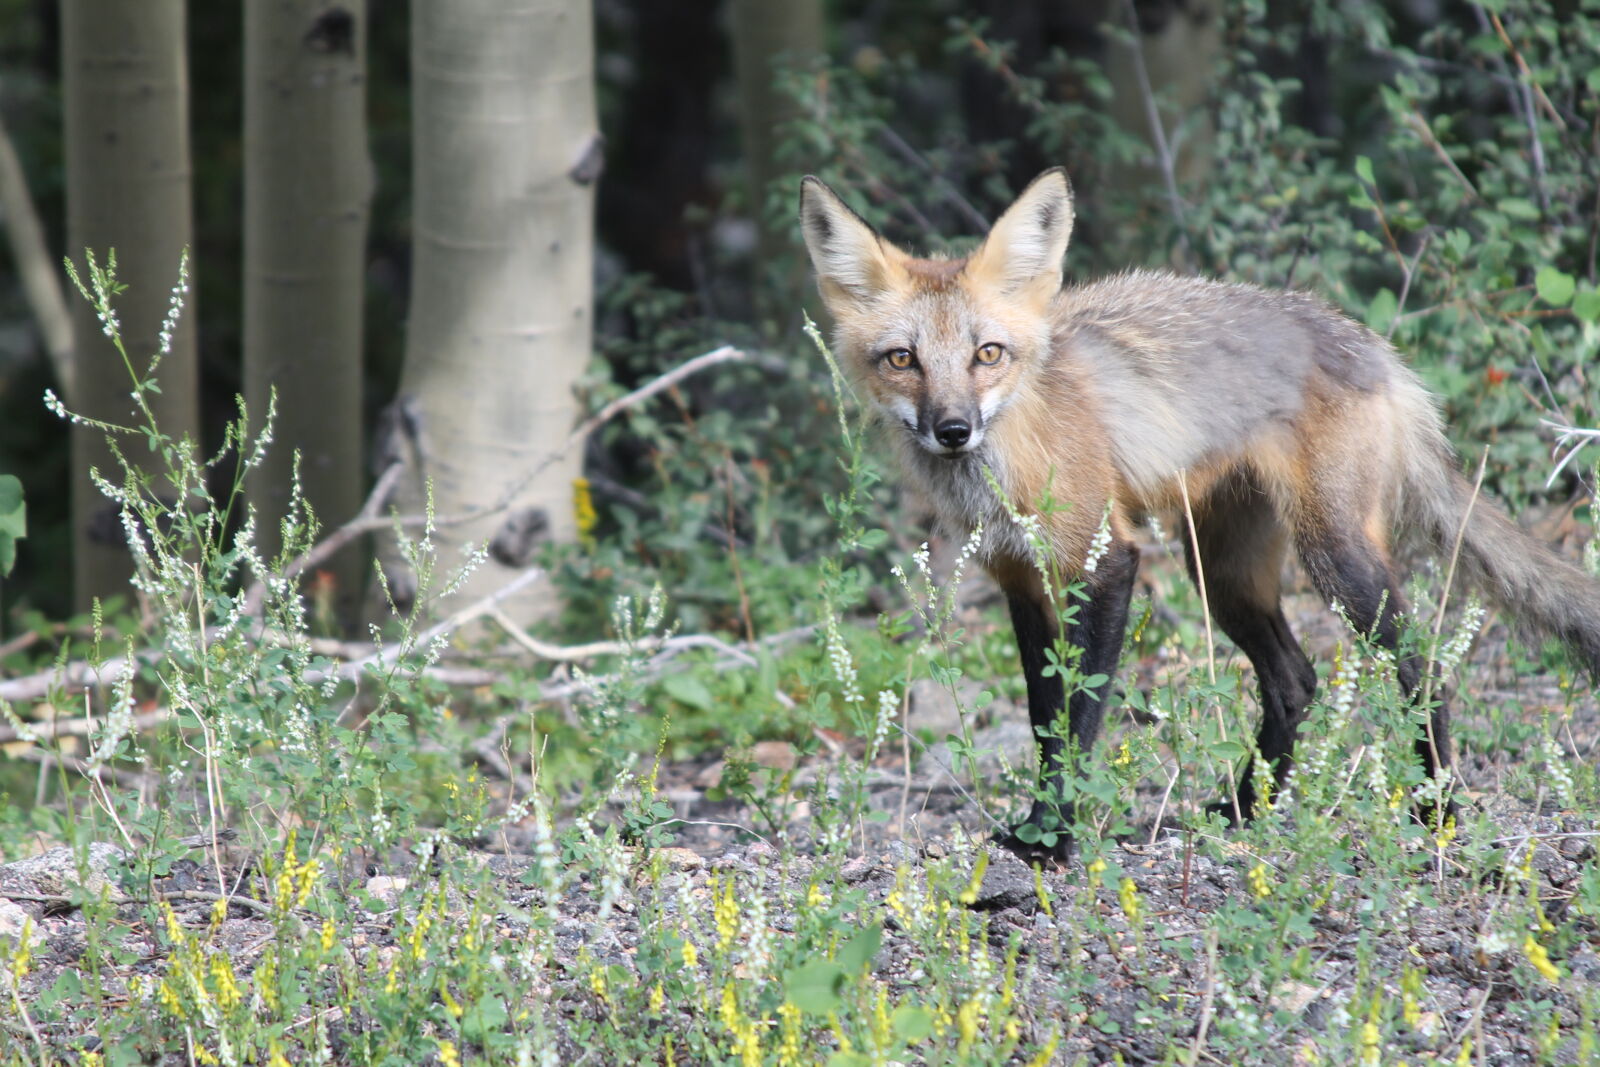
[(1022, 254), (851, 260)]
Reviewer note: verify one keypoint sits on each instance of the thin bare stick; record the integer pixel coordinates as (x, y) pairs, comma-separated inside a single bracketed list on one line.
[(1419, 125), (1211, 639), (903, 149), (1207, 998), (386, 658), (725, 354), (1405, 285), (175, 894), (1444, 597), (1199, 576), (1152, 114), (50, 729)]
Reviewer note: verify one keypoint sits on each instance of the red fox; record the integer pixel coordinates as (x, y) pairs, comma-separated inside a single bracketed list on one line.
[(1279, 419)]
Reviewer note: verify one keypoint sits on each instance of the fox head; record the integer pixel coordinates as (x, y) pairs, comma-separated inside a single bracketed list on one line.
[(942, 346)]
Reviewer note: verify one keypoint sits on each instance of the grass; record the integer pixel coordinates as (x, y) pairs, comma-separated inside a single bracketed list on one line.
[(319, 864)]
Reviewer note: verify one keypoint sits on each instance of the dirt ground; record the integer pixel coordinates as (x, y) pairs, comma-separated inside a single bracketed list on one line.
[(1466, 992)]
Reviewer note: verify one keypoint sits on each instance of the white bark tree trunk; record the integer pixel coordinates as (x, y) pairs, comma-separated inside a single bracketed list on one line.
[(308, 187), (126, 114), (506, 155)]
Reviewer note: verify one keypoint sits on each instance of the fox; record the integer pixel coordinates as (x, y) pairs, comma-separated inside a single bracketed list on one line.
[(1260, 419)]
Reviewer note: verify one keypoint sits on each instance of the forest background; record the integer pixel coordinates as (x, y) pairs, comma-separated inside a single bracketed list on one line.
[(521, 286)]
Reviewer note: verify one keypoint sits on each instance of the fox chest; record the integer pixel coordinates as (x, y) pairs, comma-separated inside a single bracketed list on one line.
[(962, 499)]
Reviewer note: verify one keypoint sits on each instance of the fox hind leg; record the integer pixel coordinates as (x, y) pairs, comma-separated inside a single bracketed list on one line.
[(1242, 544), (1348, 566)]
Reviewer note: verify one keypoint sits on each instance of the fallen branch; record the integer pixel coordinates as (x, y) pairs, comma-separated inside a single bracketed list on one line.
[(668, 646), (50, 729)]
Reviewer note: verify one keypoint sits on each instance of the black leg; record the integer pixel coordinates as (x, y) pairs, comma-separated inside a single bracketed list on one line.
[(1352, 571), (1098, 630), (1242, 545)]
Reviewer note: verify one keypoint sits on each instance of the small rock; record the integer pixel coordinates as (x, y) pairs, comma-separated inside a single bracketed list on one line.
[(681, 859), (1007, 883), (1005, 744), (711, 777), (855, 870), (777, 755), (386, 889), (14, 919), (56, 871), (931, 708)]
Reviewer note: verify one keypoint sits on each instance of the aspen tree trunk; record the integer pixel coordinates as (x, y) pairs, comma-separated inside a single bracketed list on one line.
[(768, 36), (308, 186), (126, 114), (506, 152)]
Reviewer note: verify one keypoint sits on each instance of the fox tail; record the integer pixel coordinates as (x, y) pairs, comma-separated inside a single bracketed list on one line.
[(1522, 576)]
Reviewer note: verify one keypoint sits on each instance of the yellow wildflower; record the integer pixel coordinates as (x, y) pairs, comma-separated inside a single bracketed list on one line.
[(1540, 959)]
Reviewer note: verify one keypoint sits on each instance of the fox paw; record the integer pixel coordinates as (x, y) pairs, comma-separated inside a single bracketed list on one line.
[(1041, 836)]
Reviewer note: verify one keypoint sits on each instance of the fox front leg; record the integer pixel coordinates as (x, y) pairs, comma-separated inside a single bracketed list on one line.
[(1097, 629)]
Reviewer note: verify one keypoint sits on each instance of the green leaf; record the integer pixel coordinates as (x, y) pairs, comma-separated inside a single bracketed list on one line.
[(1364, 170), (1586, 305), (1555, 286), (1381, 312), (1228, 750), (13, 511), (486, 1017), (690, 690), (849, 1059), (910, 1024), (857, 952), (1517, 207), (13, 520), (815, 986)]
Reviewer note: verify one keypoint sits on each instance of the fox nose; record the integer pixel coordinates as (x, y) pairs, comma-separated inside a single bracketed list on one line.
[(952, 433)]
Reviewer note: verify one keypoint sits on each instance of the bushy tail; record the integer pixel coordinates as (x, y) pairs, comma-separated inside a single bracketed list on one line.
[(1523, 577)]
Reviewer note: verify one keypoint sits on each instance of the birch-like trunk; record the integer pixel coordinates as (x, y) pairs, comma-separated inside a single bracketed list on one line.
[(505, 150), (126, 114), (307, 190)]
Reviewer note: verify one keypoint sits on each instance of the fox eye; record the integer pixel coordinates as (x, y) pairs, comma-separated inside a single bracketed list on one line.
[(900, 358), (990, 354)]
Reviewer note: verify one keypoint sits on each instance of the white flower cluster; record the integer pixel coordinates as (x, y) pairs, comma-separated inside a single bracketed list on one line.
[(1246, 1021), (103, 280), (1557, 771), (1342, 689), (58, 409), (839, 658), (757, 933), (888, 709), (1101, 543), (1461, 639), (169, 325)]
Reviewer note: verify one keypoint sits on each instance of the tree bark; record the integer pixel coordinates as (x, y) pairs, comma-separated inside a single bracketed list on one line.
[(126, 117), (307, 191), (769, 35), (506, 153)]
